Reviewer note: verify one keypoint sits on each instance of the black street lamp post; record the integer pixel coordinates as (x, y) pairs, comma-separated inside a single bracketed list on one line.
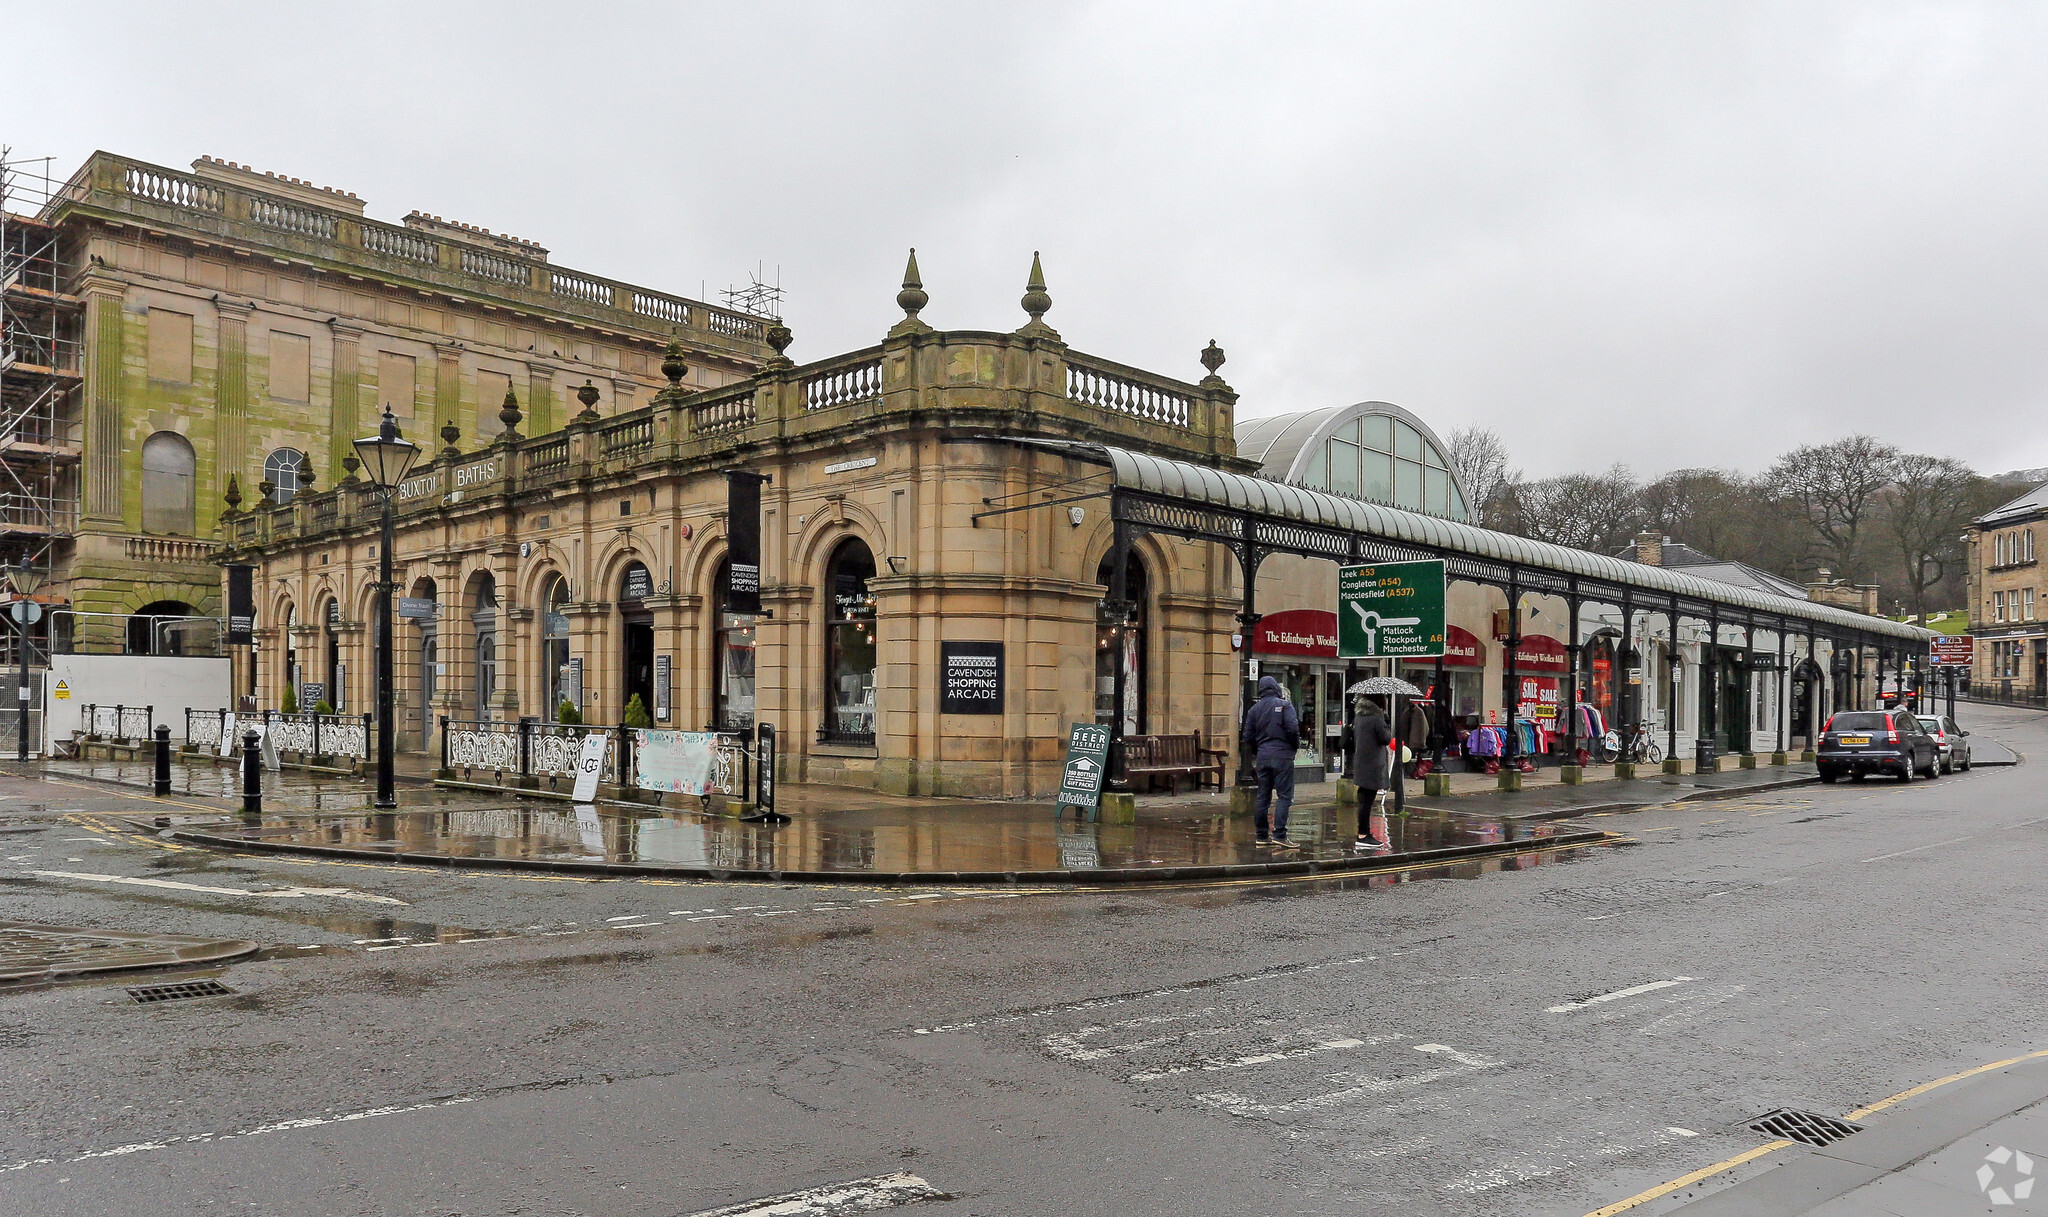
[(386, 457), (24, 579)]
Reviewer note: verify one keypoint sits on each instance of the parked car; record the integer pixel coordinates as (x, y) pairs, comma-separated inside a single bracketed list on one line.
[(1953, 741), (1861, 742)]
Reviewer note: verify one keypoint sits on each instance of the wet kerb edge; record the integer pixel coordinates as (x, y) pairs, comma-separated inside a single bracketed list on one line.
[(1115, 875)]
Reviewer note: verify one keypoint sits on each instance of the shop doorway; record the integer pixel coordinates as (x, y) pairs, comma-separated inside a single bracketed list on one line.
[(429, 655), (1131, 653), (639, 639), (1724, 702)]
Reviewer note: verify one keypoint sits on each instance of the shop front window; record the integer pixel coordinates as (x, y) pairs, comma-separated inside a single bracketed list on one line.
[(732, 660), (849, 647), (554, 647)]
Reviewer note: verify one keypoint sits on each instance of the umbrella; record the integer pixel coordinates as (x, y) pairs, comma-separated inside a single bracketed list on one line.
[(1385, 684)]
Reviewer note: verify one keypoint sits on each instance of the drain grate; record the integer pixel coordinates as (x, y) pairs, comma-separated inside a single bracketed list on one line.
[(1805, 1127), (180, 991)]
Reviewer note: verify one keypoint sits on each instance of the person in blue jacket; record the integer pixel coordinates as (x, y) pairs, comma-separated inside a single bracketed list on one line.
[(1272, 729)]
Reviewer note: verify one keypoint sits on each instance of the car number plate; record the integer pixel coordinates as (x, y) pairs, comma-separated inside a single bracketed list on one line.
[(1855, 741)]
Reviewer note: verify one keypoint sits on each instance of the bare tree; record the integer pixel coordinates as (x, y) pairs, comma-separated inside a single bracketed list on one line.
[(1836, 489), (1480, 458), (1929, 503), (1596, 511)]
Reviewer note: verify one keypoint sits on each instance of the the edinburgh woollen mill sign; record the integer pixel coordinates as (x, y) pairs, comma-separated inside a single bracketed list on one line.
[(1391, 609), (970, 678)]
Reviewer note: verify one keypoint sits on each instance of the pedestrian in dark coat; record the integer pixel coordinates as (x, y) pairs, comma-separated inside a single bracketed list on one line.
[(1370, 735), (1272, 729)]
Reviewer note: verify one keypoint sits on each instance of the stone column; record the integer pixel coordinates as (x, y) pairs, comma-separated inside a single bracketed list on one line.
[(104, 364), (344, 383)]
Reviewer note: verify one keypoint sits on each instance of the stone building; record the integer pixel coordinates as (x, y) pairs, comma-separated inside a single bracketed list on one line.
[(233, 331), (586, 566), (2009, 598)]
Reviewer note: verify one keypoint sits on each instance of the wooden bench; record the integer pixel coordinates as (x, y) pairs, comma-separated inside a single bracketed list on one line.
[(1173, 757)]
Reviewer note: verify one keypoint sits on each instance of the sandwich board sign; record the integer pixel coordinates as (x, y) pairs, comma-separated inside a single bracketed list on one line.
[(1081, 777), (1391, 609), (589, 767)]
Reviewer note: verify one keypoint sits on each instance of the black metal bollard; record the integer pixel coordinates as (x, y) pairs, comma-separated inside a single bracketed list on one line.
[(162, 785), (252, 776)]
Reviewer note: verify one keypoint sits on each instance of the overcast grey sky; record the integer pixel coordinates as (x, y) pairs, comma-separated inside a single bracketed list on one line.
[(1673, 234)]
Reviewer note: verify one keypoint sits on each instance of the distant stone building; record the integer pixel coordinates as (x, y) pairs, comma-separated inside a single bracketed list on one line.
[(232, 331), (2009, 598)]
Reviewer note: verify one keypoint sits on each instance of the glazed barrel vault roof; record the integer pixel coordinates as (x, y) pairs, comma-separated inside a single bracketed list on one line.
[(1284, 444), (1200, 485)]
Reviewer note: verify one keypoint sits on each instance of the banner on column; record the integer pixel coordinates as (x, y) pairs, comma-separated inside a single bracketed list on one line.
[(682, 762), (743, 540), (241, 605), (663, 667)]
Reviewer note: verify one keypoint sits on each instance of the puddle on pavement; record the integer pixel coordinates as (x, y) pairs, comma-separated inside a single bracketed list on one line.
[(952, 837)]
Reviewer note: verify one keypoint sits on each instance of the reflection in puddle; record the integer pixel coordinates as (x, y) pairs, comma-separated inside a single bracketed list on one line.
[(950, 837)]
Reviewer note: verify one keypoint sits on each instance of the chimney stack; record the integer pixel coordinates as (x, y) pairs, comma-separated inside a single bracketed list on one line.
[(1650, 548)]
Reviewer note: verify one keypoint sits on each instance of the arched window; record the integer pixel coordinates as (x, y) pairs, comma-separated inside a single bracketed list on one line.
[(167, 484), (554, 647), (282, 468), (1383, 458), (1136, 597), (732, 660), (483, 617), (849, 646)]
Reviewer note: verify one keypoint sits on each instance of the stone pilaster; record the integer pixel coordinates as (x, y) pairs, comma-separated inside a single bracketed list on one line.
[(345, 386), (104, 365), (447, 387), (542, 412), (231, 396)]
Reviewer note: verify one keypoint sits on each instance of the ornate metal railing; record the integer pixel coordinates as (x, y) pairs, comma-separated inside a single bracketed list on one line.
[(118, 722), (1124, 390), (550, 752), (335, 735), (202, 727)]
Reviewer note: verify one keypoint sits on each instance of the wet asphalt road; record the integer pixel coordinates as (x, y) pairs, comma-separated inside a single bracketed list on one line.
[(1447, 1045)]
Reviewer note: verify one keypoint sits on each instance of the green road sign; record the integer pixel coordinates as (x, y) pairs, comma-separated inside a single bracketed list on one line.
[(1391, 609), (1087, 756)]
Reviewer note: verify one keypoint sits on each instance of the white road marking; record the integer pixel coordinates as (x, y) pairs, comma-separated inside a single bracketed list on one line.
[(140, 1147), (283, 893), (627, 917), (834, 1199), (1916, 849), (1069, 1046), (1618, 994), (1216, 1065), (1239, 1105), (1098, 1003), (1683, 1132), (638, 925)]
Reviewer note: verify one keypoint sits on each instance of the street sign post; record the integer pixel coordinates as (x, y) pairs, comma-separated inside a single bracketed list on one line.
[(1081, 777), (1391, 609)]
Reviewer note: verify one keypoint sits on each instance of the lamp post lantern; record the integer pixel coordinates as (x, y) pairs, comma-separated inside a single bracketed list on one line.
[(386, 457)]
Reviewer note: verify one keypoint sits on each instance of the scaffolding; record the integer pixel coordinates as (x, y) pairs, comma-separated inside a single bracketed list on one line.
[(41, 373)]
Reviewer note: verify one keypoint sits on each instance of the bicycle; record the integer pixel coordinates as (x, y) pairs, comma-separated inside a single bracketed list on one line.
[(1639, 749)]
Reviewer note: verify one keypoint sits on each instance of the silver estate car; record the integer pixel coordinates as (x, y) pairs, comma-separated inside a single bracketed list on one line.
[(1953, 741)]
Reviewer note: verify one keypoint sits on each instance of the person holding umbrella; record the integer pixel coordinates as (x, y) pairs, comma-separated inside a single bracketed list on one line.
[(1370, 735)]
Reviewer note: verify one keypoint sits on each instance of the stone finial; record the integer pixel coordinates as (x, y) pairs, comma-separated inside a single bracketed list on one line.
[(1037, 303), (779, 338), (307, 475), (588, 396), (672, 365), (349, 465), (233, 498), (508, 413), (911, 300), (1212, 357), (450, 433), (268, 489)]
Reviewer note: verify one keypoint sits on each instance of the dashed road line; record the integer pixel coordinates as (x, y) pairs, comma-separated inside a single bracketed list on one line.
[(1618, 994)]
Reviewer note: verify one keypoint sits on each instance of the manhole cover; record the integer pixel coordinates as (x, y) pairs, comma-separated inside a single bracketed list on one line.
[(180, 991), (1805, 1127)]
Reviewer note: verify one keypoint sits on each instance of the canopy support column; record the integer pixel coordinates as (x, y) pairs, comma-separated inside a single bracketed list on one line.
[(1248, 556), (1512, 690), (1672, 683), (1570, 697)]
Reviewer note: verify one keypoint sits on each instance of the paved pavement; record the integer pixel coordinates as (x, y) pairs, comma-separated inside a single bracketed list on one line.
[(1488, 1038), (45, 952)]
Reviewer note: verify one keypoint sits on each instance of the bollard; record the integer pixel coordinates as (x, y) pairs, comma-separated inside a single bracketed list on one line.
[(252, 776), (162, 785)]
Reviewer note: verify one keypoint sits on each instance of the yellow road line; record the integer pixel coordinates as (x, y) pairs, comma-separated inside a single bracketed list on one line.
[(1665, 1189)]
